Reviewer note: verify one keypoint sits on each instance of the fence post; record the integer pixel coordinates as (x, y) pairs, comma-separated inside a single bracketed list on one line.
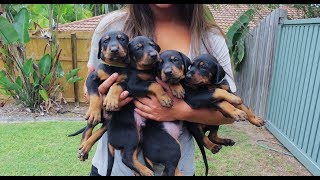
[(74, 66)]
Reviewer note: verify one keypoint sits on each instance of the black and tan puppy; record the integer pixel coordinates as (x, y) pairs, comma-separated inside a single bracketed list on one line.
[(124, 129), (163, 136), (114, 55), (206, 86)]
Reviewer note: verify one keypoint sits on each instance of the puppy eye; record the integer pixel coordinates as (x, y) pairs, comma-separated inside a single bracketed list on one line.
[(138, 47), (201, 66), (106, 41), (175, 60)]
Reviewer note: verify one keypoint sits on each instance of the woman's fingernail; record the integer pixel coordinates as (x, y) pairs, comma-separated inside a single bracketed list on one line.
[(115, 75)]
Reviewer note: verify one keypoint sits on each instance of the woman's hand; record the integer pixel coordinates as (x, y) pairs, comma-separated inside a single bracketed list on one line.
[(150, 108)]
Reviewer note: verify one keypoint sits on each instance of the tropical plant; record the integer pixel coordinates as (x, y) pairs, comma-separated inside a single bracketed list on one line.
[(236, 35), (99, 9), (32, 83), (39, 12)]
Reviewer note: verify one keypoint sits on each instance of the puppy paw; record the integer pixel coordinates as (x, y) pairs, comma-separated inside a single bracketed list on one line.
[(228, 142), (166, 101), (215, 148), (236, 100), (257, 121), (93, 116), (178, 91), (111, 103), (84, 149), (239, 115)]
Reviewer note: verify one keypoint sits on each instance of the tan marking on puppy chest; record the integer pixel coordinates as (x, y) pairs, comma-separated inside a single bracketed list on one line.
[(121, 78), (144, 76), (102, 75)]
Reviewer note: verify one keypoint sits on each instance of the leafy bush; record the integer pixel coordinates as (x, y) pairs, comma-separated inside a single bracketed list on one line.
[(31, 83)]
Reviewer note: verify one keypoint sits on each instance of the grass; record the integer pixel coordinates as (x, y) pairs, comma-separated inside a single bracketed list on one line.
[(42, 148), (245, 158), (35, 149)]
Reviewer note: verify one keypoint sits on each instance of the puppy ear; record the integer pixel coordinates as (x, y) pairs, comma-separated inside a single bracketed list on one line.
[(220, 74), (99, 51), (186, 61), (157, 47)]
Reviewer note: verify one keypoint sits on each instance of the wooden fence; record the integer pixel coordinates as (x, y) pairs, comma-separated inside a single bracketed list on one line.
[(75, 54), (253, 79)]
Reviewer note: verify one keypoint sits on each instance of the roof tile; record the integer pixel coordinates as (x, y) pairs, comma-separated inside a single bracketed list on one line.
[(224, 14)]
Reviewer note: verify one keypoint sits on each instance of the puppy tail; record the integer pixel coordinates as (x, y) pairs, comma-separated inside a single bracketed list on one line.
[(110, 162), (198, 137), (78, 132), (203, 153)]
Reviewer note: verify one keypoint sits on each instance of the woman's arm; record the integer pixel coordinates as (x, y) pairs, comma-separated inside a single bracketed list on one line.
[(149, 107)]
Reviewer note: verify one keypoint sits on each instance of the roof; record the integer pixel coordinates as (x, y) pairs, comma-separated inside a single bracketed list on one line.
[(88, 24), (224, 15)]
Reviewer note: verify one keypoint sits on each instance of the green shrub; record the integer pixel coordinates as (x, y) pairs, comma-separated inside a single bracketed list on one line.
[(34, 84)]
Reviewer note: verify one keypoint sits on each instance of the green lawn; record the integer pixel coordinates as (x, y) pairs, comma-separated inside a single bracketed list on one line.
[(43, 148)]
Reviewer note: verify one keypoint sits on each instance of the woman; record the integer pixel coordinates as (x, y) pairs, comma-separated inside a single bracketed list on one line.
[(179, 27)]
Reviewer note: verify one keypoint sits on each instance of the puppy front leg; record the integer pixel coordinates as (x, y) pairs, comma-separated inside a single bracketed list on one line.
[(161, 95), (111, 102), (252, 118), (93, 82), (177, 90), (221, 94), (230, 111)]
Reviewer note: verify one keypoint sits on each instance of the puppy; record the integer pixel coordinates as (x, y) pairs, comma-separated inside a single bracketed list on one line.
[(163, 136), (125, 127), (206, 86), (114, 55)]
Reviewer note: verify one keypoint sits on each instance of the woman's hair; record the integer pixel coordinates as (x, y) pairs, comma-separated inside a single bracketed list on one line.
[(139, 21)]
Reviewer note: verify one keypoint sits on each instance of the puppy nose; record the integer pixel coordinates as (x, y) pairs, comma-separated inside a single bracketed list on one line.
[(168, 71), (188, 76), (153, 55), (114, 49)]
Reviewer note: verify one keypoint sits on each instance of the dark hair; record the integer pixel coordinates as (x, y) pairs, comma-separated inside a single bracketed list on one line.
[(139, 21)]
